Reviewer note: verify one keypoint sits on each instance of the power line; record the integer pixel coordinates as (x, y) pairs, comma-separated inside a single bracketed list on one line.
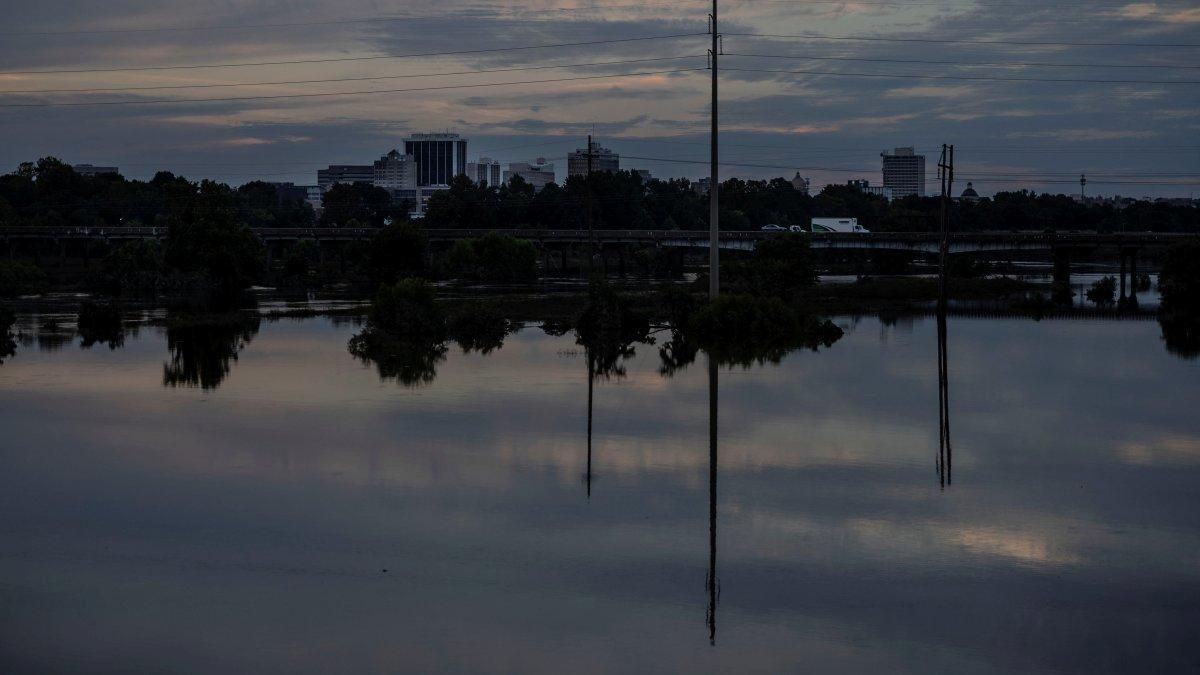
[(989, 64), (343, 59), (341, 93), (345, 79), (1007, 177), (973, 78), (1025, 43), (327, 22)]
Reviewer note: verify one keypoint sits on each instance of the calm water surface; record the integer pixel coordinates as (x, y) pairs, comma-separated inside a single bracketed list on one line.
[(297, 514)]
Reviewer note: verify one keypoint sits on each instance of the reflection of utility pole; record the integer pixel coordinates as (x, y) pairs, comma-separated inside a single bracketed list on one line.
[(714, 263), (591, 377), (711, 583), (945, 452)]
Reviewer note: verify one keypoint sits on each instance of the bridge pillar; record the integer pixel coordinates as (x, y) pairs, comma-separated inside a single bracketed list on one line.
[(1133, 277), (1121, 254), (1062, 265), (1061, 287)]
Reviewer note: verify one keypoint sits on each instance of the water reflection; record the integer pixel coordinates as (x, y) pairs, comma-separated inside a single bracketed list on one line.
[(1181, 334), (8, 341), (203, 348), (272, 523), (945, 452), (712, 583)]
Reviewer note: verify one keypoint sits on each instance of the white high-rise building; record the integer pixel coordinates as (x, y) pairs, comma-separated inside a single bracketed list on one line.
[(904, 172), (485, 172), (538, 174), (395, 171)]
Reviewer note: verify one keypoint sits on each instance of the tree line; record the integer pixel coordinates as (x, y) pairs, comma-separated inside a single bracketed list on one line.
[(50, 193)]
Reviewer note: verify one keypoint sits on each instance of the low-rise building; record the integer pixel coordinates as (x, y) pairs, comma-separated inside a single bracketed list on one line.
[(92, 170)]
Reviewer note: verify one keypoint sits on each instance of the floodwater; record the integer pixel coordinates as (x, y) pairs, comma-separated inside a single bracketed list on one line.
[(259, 501)]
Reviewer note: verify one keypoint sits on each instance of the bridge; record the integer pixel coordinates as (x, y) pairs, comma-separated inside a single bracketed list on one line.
[(915, 242)]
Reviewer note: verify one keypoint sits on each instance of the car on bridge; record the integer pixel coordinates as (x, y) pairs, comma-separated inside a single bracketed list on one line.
[(772, 227)]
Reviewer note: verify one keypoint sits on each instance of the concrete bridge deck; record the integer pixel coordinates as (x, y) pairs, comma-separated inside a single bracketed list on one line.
[(924, 242)]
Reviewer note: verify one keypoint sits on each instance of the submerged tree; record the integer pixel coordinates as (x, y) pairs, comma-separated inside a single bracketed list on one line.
[(204, 347), (1103, 292), (405, 335), (100, 322)]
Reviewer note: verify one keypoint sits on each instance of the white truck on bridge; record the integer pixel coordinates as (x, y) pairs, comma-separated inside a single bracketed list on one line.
[(837, 225)]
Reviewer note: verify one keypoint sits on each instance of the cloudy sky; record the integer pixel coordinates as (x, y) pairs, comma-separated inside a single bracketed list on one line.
[(976, 74)]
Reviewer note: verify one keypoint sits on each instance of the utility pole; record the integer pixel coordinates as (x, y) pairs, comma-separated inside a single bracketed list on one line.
[(591, 236), (714, 262), (946, 174)]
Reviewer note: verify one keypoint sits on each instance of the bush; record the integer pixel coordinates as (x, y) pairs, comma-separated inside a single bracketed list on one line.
[(1103, 292), (20, 278), (494, 257)]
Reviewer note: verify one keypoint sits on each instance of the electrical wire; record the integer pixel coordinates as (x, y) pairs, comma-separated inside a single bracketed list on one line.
[(1021, 43), (344, 59), (970, 78), (346, 79), (341, 93)]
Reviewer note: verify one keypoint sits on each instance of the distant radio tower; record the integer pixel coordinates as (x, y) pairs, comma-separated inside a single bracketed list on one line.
[(1082, 186)]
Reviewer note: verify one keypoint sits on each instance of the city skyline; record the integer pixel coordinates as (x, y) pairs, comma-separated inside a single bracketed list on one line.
[(1115, 113)]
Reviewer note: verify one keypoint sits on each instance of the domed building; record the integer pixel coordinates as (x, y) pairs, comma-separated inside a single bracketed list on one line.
[(969, 195)]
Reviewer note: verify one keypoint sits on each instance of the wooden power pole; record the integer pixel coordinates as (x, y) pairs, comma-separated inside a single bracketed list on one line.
[(714, 262)]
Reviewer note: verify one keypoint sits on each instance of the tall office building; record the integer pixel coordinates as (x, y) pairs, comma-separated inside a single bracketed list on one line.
[(904, 172), (395, 171), (344, 173), (539, 174), (603, 159), (485, 172), (439, 157)]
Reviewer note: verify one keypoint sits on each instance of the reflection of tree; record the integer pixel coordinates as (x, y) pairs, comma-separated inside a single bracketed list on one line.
[(608, 328), (203, 347), (407, 334), (677, 353), (743, 331), (8, 342), (412, 362), (478, 328), (100, 323), (1179, 317), (1181, 333)]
